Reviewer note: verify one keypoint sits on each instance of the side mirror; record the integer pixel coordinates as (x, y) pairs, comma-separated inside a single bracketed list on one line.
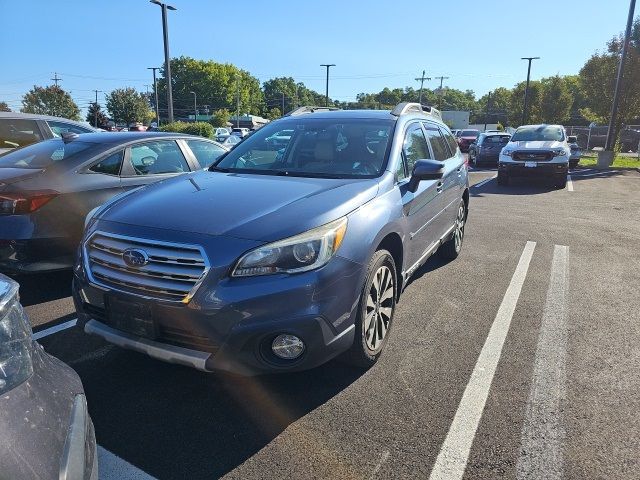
[(572, 139), (425, 170)]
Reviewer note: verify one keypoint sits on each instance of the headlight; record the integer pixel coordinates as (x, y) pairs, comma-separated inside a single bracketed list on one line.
[(508, 153), (559, 152), (307, 251), (15, 338)]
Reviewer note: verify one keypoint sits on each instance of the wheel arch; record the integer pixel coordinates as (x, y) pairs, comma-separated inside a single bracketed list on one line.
[(392, 242)]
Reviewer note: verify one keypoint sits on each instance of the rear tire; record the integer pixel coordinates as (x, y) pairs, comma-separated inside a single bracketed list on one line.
[(375, 311), (452, 247)]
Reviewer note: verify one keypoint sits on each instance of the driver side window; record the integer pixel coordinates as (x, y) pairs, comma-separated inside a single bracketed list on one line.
[(156, 158), (415, 146)]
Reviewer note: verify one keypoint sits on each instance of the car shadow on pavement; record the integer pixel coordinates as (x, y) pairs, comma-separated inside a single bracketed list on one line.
[(516, 186), (44, 287), (175, 422), (434, 262)]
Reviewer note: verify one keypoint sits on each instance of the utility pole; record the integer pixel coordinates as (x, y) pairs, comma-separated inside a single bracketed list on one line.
[(155, 91), (238, 105), (195, 106), (421, 80), (56, 78), (526, 90), (441, 92), (167, 60), (611, 135), (282, 93), (95, 111), (486, 112), (328, 65)]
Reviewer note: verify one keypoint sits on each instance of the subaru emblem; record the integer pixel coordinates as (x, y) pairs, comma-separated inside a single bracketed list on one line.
[(134, 257)]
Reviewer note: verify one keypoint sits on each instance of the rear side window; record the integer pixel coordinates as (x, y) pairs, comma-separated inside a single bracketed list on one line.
[(18, 133), (415, 146), (156, 158), (438, 143), (58, 128), (205, 152), (453, 145), (110, 165)]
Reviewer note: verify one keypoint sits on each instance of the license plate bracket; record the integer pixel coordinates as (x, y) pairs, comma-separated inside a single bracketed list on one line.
[(530, 164), (131, 317)]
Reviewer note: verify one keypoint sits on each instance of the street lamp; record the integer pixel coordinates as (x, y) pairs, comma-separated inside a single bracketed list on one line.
[(195, 106), (328, 65), (526, 90), (167, 62)]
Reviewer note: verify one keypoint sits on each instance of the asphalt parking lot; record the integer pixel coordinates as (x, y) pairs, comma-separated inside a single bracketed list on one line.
[(519, 359)]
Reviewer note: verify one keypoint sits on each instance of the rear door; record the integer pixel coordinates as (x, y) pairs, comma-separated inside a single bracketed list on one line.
[(152, 161), (420, 208), (18, 132), (454, 174)]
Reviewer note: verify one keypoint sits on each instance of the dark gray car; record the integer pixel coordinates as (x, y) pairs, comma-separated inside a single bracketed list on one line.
[(47, 189), (21, 129), (45, 429)]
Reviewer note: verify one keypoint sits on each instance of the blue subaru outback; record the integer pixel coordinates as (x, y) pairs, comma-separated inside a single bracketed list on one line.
[(281, 256)]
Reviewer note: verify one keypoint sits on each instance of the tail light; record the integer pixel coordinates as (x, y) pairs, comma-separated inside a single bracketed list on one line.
[(24, 202)]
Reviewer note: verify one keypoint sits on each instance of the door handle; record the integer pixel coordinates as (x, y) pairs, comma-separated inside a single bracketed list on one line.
[(439, 187)]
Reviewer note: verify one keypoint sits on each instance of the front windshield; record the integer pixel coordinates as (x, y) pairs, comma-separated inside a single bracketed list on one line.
[(541, 133), (43, 154), (501, 139), (334, 147)]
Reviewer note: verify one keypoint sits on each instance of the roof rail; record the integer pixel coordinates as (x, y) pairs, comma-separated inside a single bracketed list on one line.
[(309, 109), (411, 107)]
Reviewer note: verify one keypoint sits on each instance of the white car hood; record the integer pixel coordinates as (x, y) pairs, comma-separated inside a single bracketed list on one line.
[(537, 145)]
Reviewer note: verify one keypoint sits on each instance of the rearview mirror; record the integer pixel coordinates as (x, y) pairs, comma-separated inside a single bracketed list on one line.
[(425, 170), (572, 139)]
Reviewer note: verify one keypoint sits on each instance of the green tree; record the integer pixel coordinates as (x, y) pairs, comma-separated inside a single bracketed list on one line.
[(598, 76), (128, 106), (556, 101), (295, 94), (516, 103), (274, 113), (216, 84), (498, 107), (4, 107), (220, 118), (51, 100), (95, 112)]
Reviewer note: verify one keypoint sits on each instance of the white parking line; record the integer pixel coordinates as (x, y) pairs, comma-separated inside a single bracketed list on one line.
[(569, 183), (486, 180), (543, 431), (55, 329), (112, 467), (454, 453)]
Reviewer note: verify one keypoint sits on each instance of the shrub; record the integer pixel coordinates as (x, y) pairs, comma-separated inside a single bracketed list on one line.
[(202, 129)]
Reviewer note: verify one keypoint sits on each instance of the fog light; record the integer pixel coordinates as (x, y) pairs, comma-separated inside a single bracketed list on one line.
[(287, 347)]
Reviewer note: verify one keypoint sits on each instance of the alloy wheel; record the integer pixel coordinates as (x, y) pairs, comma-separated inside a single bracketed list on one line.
[(379, 308), (458, 233)]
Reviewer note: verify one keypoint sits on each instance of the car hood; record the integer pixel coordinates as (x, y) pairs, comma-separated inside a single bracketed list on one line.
[(537, 145), (255, 207), (10, 175)]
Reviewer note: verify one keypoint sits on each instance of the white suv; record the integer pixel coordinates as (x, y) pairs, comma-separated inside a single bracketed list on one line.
[(536, 151)]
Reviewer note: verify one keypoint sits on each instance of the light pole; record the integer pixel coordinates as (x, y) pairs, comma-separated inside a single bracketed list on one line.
[(155, 92), (328, 65), (167, 61), (616, 95), (195, 106), (526, 90)]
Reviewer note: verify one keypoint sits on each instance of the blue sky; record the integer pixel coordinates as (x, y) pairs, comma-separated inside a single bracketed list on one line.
[(105, 44)]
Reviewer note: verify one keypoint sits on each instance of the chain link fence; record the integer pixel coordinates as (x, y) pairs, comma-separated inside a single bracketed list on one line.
[(590, 138)]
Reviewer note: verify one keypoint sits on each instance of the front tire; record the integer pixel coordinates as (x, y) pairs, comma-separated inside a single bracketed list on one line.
[(375, 312), (452, 247)]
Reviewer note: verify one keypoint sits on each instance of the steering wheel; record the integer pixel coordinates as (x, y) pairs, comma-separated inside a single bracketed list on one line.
[(365, 168), (247, 163)]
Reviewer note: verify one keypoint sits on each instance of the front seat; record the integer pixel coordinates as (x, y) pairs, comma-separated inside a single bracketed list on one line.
[(166, 162)]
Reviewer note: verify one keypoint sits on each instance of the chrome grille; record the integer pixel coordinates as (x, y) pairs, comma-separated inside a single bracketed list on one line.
[(173, 271)]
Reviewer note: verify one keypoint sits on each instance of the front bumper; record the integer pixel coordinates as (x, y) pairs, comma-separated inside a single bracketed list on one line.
[(45, 428), (542, 169), (230, 323), (35, 255)]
